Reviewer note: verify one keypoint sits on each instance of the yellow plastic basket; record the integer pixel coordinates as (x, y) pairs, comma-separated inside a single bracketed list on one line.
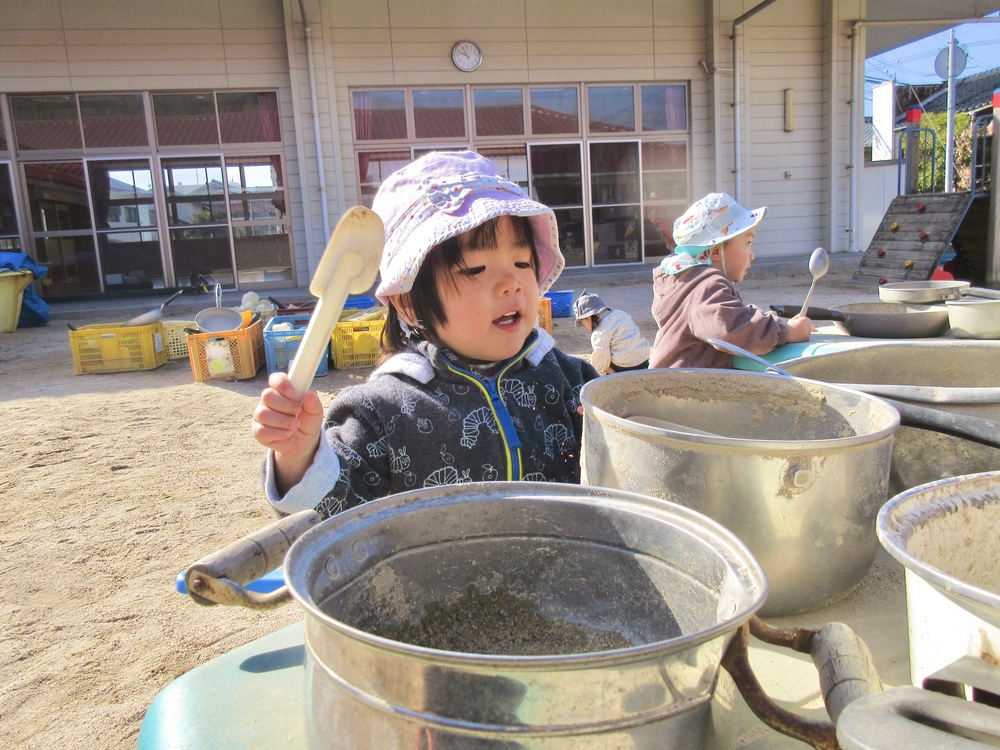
[(12, 285), (114, 348), (175, 340), (357, 343)]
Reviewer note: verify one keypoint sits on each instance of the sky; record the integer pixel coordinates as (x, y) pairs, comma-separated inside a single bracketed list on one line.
[(914, 63)]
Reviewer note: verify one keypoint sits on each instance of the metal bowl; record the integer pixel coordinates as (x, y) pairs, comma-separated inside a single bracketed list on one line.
[(974, 318), (921, 292), (219, 320)]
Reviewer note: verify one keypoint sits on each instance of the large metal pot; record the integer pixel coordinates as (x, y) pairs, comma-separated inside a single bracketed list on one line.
[(669, 580), (944, 533), (796, 469), (955, 376)]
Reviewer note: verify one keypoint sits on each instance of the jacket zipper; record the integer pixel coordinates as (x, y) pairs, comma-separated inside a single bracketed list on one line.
[(491, 389)]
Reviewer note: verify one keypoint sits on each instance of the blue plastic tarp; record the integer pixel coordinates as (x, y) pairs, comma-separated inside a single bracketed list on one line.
[(34, 310)]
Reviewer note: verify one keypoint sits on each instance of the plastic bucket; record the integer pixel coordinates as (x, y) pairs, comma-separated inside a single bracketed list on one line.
[(12, 285)]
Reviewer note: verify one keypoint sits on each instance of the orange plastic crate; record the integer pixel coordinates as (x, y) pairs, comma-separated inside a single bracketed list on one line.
[(545, 313), (231, 355), (114, 348)]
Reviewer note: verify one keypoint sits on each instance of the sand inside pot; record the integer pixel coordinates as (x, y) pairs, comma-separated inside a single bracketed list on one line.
[(497, 623)]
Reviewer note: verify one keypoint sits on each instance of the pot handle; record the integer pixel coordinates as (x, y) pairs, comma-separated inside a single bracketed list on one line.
[(846, 673), (219, 578)]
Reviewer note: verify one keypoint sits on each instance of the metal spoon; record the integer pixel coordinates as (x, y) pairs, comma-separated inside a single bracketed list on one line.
[(819, 264)]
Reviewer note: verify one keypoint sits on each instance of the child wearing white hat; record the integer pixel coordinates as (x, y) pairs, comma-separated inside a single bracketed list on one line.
[(617, 343), (694, 297), (469, 388)]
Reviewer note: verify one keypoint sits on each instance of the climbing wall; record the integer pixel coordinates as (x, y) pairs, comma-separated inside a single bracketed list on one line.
[(914, 234)]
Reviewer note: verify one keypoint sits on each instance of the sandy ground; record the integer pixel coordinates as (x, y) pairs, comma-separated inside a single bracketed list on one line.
[(114, 483)]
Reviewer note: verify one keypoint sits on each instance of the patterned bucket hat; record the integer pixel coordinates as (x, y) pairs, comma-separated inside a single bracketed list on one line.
[(588, 304), (443, 194), (715, 218)]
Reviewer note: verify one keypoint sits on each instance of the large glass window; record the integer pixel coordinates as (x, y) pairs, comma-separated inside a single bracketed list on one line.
[(255, 190), (379, 115), (258, 211), (185, 119), (499, 112), (125, 214), (617, 211), (113, 120), (46, 123), (636, 179), (438, 113), (555, 111)]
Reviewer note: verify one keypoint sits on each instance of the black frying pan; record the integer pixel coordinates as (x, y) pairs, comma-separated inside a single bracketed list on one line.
[(879, 320)]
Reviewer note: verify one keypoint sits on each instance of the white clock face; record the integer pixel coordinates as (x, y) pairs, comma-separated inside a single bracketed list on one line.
[(466, 56)]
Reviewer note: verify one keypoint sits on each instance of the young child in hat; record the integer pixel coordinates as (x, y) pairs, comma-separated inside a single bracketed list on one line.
[(615, 338), (694, 297), (469, 389)]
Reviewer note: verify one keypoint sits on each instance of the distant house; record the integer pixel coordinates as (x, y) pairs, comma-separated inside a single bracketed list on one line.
[(973, 94)]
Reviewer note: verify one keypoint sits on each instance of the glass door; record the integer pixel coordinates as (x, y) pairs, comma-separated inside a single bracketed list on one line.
[(125, 218), (198, 221), (61, 227), (10, 238), (616, 202), (557, 181)]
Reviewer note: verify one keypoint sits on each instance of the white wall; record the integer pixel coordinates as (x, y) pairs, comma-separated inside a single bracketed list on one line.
[(879, 182)]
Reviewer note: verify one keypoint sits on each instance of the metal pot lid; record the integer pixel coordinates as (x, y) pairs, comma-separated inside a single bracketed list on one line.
[(219, 320)]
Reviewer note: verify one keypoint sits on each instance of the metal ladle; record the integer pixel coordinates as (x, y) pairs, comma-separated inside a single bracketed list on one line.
[(819, 264)]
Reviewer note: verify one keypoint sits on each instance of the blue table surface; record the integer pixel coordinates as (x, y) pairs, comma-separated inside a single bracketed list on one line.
[(233, 700), (820, 343)]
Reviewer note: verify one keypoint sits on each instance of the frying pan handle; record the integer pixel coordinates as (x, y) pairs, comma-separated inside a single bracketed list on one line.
[(846, 673), (813, 313), (220, 577)]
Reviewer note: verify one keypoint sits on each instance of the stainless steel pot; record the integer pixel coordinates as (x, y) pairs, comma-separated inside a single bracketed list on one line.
[(944, 533), (879, 320), (796, 469), (954, 376), (673, 582)]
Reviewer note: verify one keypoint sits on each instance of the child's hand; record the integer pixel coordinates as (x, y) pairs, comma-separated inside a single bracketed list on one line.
[(799, 329), (289, 427)]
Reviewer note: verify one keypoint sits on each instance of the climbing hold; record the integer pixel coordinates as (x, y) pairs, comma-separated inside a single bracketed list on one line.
[(881, 281), (894, 226), (880, 253), (922, 235), (921, 208), (907, 264)]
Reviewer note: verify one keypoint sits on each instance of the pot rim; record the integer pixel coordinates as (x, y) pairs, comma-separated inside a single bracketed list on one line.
[(904, 513), (299, 560), (627, 425)]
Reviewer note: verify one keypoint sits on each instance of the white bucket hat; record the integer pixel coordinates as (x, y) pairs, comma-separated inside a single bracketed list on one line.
[(715, 218), (443, 194)]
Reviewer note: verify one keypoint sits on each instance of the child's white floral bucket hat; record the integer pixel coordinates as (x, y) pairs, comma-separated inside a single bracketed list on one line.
[(715, 218)]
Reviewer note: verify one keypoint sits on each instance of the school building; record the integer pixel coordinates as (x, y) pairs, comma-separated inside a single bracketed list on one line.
[(144, 143)]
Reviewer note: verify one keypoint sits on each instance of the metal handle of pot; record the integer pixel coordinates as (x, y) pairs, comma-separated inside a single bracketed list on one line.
[(220, 577), (975, 291), (842, 659)]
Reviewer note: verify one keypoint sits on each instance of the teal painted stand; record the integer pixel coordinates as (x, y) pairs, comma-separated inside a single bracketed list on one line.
[(251, 697), (820, 343)]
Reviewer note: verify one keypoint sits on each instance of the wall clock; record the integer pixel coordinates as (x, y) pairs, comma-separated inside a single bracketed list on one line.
[(466, 55)]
